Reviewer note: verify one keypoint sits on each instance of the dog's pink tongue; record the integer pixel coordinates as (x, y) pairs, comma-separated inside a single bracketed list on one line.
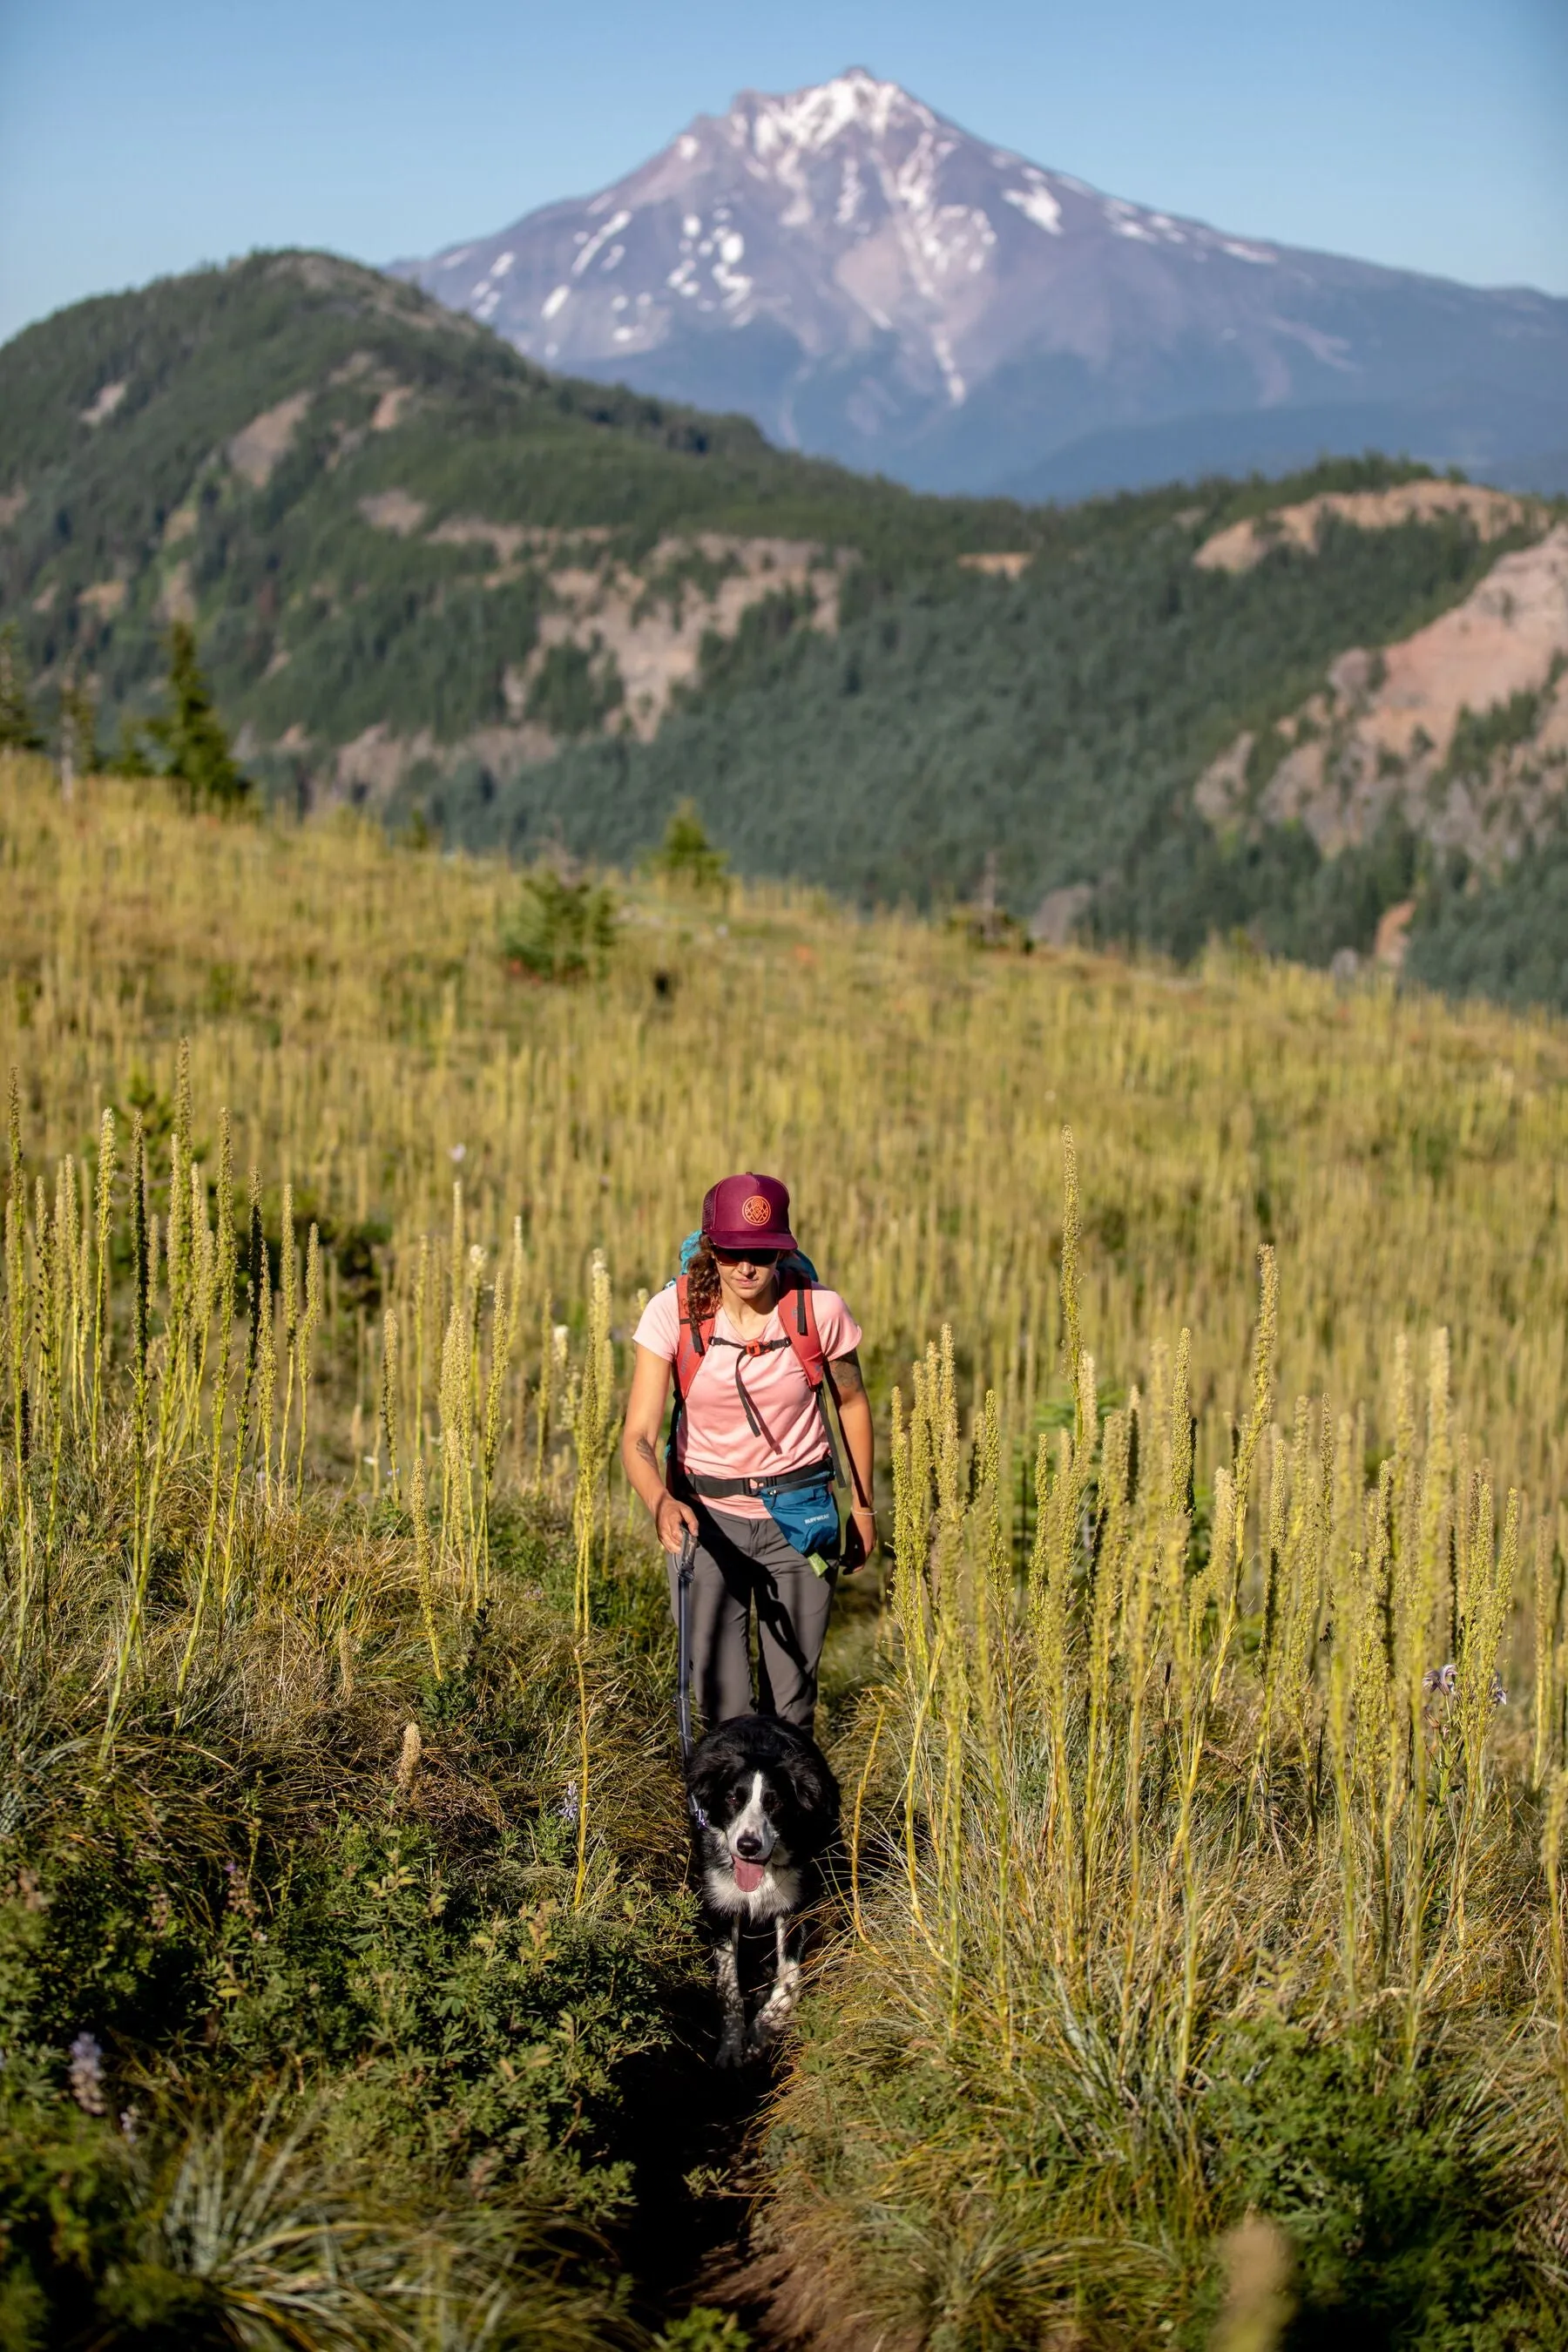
[(749, 1875)]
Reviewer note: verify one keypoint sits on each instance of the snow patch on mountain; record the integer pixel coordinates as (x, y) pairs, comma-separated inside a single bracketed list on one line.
[(1036, 204), (867, 280)]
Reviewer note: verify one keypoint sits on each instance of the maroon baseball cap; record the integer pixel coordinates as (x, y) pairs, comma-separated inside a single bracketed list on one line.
[(748, 1212)]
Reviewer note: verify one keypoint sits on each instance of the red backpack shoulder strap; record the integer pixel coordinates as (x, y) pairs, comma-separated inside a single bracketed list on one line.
[(797, 1313), (692, 1344)]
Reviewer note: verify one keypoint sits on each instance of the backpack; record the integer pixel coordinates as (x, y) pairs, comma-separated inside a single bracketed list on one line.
[(797, 1314)]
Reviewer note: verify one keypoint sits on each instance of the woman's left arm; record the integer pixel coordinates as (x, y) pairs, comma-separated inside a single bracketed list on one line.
[(859, 1440)]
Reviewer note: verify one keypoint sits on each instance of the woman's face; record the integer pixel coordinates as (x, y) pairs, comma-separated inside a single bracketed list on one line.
[(748, 1273)]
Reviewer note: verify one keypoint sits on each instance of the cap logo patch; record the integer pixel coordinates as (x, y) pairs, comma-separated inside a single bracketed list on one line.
[(756, 1211)]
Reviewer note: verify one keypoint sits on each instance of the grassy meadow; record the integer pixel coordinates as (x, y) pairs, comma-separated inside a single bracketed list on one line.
[(1198, 1970)]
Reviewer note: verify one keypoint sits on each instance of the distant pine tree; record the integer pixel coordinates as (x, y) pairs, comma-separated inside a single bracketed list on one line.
[(131, 757), (195, 748), (685, 858), (18, 733)]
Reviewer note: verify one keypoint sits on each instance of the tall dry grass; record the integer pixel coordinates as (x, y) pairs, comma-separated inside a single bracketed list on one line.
[(347, 1000), (1188, 1734), (1193, 1803)]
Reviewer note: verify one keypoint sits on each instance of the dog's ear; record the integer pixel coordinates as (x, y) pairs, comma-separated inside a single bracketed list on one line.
[(712, 1768), (813, 1788)]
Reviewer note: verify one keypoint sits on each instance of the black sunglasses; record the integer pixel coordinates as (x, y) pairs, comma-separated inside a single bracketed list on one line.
[(745, 1256)]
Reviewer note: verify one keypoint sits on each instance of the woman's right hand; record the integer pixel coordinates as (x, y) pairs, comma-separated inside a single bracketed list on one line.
[(672, 1521)]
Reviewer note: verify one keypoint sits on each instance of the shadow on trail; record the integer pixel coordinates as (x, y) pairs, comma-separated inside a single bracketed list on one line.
[(691, 2129), (688, 2136)]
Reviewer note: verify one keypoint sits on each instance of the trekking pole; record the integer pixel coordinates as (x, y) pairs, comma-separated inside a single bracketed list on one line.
[(685, 1561)]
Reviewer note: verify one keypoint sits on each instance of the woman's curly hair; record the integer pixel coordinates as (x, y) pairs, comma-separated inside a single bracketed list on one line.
[(702, 1283)]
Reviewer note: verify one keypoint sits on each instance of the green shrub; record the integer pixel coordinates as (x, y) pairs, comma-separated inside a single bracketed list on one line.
[(1401, 2233), (560, 929)]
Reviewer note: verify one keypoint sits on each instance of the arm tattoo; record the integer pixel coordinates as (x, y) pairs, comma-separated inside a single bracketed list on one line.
[(847, 1380), (645, 1453)]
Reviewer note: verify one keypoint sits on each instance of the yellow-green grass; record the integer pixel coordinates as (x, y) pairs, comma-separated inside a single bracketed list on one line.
[(1150, 1770), (1204, 1873), (347, 1001)]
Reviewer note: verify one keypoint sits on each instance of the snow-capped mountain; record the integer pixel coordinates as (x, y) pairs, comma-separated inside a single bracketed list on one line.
[(871, 282)]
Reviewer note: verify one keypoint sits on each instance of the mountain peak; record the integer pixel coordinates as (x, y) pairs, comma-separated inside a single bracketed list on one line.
[(870, 281), (814, 118)]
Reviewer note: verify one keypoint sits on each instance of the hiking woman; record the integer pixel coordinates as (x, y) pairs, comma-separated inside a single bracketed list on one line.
[(751, 1341)]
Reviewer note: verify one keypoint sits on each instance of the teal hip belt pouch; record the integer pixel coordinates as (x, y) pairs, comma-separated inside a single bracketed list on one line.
[(807, 1517)]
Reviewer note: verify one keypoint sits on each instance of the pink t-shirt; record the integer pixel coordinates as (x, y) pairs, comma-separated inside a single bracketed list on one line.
[(715, 1438)]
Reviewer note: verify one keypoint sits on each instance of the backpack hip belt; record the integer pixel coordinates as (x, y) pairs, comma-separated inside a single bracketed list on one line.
[(713, 1490)]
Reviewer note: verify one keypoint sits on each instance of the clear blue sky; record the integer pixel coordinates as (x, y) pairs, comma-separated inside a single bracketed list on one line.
[(142, 136)]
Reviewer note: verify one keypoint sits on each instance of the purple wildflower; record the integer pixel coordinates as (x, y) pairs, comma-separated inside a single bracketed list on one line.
[(87, 2075)]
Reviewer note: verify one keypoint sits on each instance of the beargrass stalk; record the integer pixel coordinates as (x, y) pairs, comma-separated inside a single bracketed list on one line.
[(1104, 1615), (309, 1327), (103, 1215), (141, 1469), (452, 1403), (289, 1276), (908, 1597), (267, 1380), (593, 1420), (1555, 1823), (1427, 1585), (544, 1399), (204, 1297), (1543, 1626), (860, 1788), (419, 1511), (257, 1288), (1348, 1599), (1492, 1570), (911, 1787), (1140, 1599), (15, 1325), (173, 1370), (389, 1393), (59, 1271), (1071, 1335), (585, 1767), (421, 1279), (991, 1571), (473, 1432), (176, 1368), (81, 1284), (503, 1341)]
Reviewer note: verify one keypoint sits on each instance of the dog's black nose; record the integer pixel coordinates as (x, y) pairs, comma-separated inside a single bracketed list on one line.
[(749, 1846)]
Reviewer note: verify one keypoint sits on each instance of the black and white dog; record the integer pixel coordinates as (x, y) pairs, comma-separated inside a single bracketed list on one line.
[(764, 1804)]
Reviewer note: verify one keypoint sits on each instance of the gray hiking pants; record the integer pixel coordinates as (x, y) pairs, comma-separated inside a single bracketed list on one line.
[(741, 1564)]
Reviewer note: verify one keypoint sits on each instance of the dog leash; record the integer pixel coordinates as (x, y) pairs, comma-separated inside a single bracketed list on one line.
[(686, 1561)]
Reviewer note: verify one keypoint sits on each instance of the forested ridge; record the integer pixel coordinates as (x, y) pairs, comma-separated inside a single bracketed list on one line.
[(376, 515), (1057, 721)]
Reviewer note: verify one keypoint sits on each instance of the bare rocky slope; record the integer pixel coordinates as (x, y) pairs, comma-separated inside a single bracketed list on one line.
[(868, 280), (1460, 732)]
